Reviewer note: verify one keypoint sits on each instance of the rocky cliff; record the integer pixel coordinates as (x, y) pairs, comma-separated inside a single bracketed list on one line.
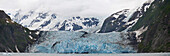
[(157, 36), (14, 37)]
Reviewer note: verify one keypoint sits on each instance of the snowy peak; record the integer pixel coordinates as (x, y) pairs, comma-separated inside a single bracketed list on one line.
[(123, 12), (77, 23), (115, 22), (122, 20), (51, 21)]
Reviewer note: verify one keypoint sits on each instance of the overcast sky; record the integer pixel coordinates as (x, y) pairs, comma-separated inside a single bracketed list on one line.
[(73, 7)]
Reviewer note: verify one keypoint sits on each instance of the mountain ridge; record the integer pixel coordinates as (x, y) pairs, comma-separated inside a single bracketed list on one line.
[(156, 37), (14, 37)]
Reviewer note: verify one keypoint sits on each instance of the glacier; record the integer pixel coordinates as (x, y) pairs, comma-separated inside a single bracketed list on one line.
[(79, 42)]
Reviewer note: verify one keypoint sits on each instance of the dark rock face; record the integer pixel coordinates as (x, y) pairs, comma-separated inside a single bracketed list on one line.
[(114, 24), (3, 15), (84, 35), (133, 40), (45, 23), (139, 12), (77, 27), (93, 21), (157, 18), (42, 15), (14, 36)]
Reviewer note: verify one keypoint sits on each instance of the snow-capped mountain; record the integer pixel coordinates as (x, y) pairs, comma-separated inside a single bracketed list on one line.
[(115, 22), (50, 21), (71, 16), (123, 20)]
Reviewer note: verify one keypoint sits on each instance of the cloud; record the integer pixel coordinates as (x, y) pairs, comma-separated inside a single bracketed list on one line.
[(98, 8)]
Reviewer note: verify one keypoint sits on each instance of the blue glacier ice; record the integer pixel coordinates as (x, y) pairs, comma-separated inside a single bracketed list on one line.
[(79, 42)]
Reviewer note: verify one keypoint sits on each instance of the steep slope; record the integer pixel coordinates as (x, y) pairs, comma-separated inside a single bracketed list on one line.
[(123, 20), (157, 36), (14, 37), (114, 22)]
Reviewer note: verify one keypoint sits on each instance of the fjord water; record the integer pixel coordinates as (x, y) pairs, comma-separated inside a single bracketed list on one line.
[(81, 42)]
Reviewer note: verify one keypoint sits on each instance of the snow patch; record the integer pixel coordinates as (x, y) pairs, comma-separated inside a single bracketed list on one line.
[(162, 0), (10, 50), (139, 32), (30, 37), (116, 16), (146, 7), (7, 21), (25, 31), (12, 21), (17, 49), (37, 33)]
